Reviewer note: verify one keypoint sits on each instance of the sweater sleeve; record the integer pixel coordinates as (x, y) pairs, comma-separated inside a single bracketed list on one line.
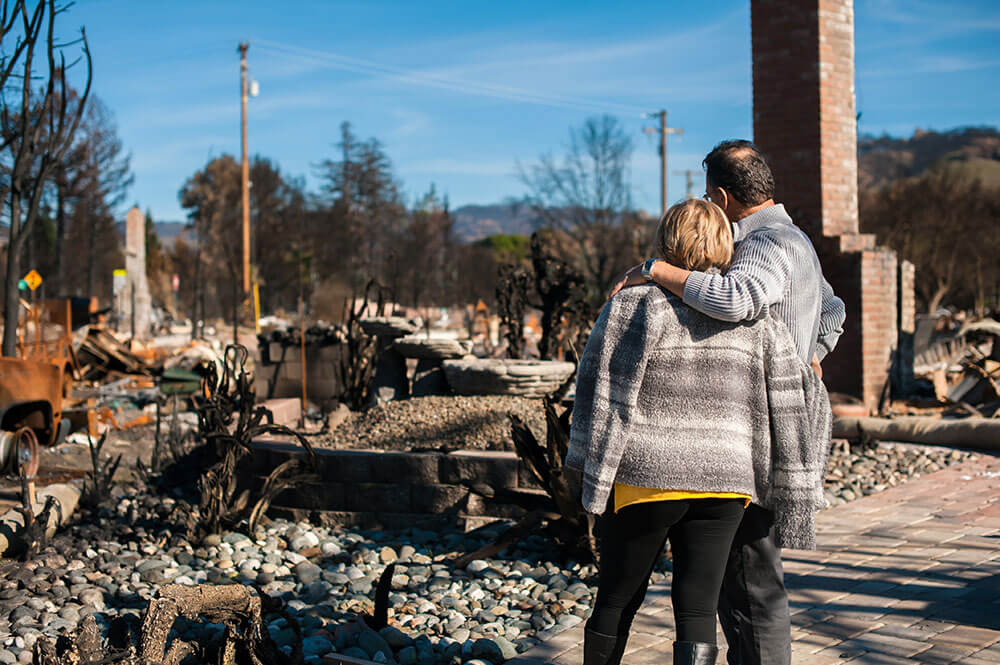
[(831, 321), (798, 454), (609, 378), (756, 280)]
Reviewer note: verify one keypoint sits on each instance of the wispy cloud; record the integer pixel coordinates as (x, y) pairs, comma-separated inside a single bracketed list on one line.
[(410, 123), (932, 64), (941, 17), (193, 150), (519, 54), (696, 60)]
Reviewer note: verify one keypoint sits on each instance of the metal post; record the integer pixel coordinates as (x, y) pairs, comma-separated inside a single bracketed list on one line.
[(132, 338), (302, 351), (245, 169), (236, 315), (663, 163)]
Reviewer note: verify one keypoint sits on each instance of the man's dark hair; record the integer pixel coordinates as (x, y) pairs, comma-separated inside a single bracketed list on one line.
[(739, 168)]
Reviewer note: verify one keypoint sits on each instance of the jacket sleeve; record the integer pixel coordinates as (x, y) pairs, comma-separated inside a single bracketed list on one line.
[(796, 401), (609, 378), (831, 321), (755, 281)]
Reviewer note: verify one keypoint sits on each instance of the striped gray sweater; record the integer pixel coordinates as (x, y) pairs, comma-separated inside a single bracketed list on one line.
[(669, 398), (775, 268)]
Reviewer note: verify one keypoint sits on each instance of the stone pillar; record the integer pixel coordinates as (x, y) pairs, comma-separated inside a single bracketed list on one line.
[(136, 292), (804, 121)]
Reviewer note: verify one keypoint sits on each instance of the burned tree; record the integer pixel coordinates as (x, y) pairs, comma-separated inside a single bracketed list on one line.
[(358, 361), (88, 185), (563, 295), (587, 196), (512, 297), (37, 134), (944, 221)]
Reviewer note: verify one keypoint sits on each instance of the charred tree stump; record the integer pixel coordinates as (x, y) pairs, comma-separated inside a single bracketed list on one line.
[(234, 605)]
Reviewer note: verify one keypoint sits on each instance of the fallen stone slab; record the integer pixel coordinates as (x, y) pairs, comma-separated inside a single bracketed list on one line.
[(486, 376), (414, 346), (388, 326)]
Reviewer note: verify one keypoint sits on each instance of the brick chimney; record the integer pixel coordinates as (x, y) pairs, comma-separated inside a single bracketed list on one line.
[(805, 122)]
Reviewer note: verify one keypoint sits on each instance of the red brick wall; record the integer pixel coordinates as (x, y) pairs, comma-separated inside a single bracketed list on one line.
[(879, 331)]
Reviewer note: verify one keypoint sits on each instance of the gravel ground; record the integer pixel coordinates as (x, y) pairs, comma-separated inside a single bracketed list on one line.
[(109, 562), (856, 471), (472, 422)]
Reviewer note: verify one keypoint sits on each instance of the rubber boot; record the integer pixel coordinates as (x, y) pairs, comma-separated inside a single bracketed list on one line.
[(695, 653), (600, 649)]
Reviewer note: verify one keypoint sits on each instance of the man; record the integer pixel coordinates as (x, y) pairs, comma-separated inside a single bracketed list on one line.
[(775, 268)]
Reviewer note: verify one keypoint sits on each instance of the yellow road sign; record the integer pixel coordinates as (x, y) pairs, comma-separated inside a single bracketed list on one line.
[(33, 280)]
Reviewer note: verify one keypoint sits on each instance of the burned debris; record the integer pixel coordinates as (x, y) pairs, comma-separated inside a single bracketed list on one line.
[(955, 399)]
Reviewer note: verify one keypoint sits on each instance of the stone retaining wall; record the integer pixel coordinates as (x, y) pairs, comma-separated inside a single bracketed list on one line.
[(374, 488)]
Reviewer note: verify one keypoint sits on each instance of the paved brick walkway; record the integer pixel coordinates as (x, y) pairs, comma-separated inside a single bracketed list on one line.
[(910, 575)]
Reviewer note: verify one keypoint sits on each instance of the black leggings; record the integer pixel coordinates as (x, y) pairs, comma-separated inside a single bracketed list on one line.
[(700, 531)]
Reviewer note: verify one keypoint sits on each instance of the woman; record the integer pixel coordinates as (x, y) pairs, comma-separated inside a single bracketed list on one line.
[(684, 420)]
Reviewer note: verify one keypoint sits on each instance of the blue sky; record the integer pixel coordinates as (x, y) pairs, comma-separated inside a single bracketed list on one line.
[(445, 85)]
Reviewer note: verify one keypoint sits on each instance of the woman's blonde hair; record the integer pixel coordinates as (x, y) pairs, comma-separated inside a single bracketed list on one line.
[(695, 235)]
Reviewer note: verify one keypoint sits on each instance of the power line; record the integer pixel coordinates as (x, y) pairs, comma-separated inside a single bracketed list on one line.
[(357, 65)]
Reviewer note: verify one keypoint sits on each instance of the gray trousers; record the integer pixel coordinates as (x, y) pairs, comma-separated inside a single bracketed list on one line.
[(753, 603)]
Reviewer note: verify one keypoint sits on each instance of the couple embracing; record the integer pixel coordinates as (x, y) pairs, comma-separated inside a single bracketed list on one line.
[(701, 418)]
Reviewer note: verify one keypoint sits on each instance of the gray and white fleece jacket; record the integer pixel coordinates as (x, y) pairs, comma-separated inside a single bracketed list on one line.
[(724, 407)]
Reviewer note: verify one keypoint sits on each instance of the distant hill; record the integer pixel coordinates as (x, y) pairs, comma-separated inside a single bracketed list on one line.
[(167, 232), (474, 222), (971, 150)]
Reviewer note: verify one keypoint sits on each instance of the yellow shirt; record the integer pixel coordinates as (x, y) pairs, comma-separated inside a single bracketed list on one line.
[(626, 495)]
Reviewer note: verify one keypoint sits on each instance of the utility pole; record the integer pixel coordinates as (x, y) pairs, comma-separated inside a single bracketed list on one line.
[(663, 130), (246, 171), (688, 180)]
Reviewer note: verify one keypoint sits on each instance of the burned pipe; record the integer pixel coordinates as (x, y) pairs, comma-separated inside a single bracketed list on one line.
[(978, 433)]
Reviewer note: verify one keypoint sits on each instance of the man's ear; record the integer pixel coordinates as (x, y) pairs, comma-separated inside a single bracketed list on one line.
[(724, 197)]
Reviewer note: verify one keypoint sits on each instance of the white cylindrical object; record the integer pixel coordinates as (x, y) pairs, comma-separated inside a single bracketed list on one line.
[(12, 522)]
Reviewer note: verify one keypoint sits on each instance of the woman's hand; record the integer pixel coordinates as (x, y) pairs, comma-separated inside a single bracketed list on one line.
[(632, 277)]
